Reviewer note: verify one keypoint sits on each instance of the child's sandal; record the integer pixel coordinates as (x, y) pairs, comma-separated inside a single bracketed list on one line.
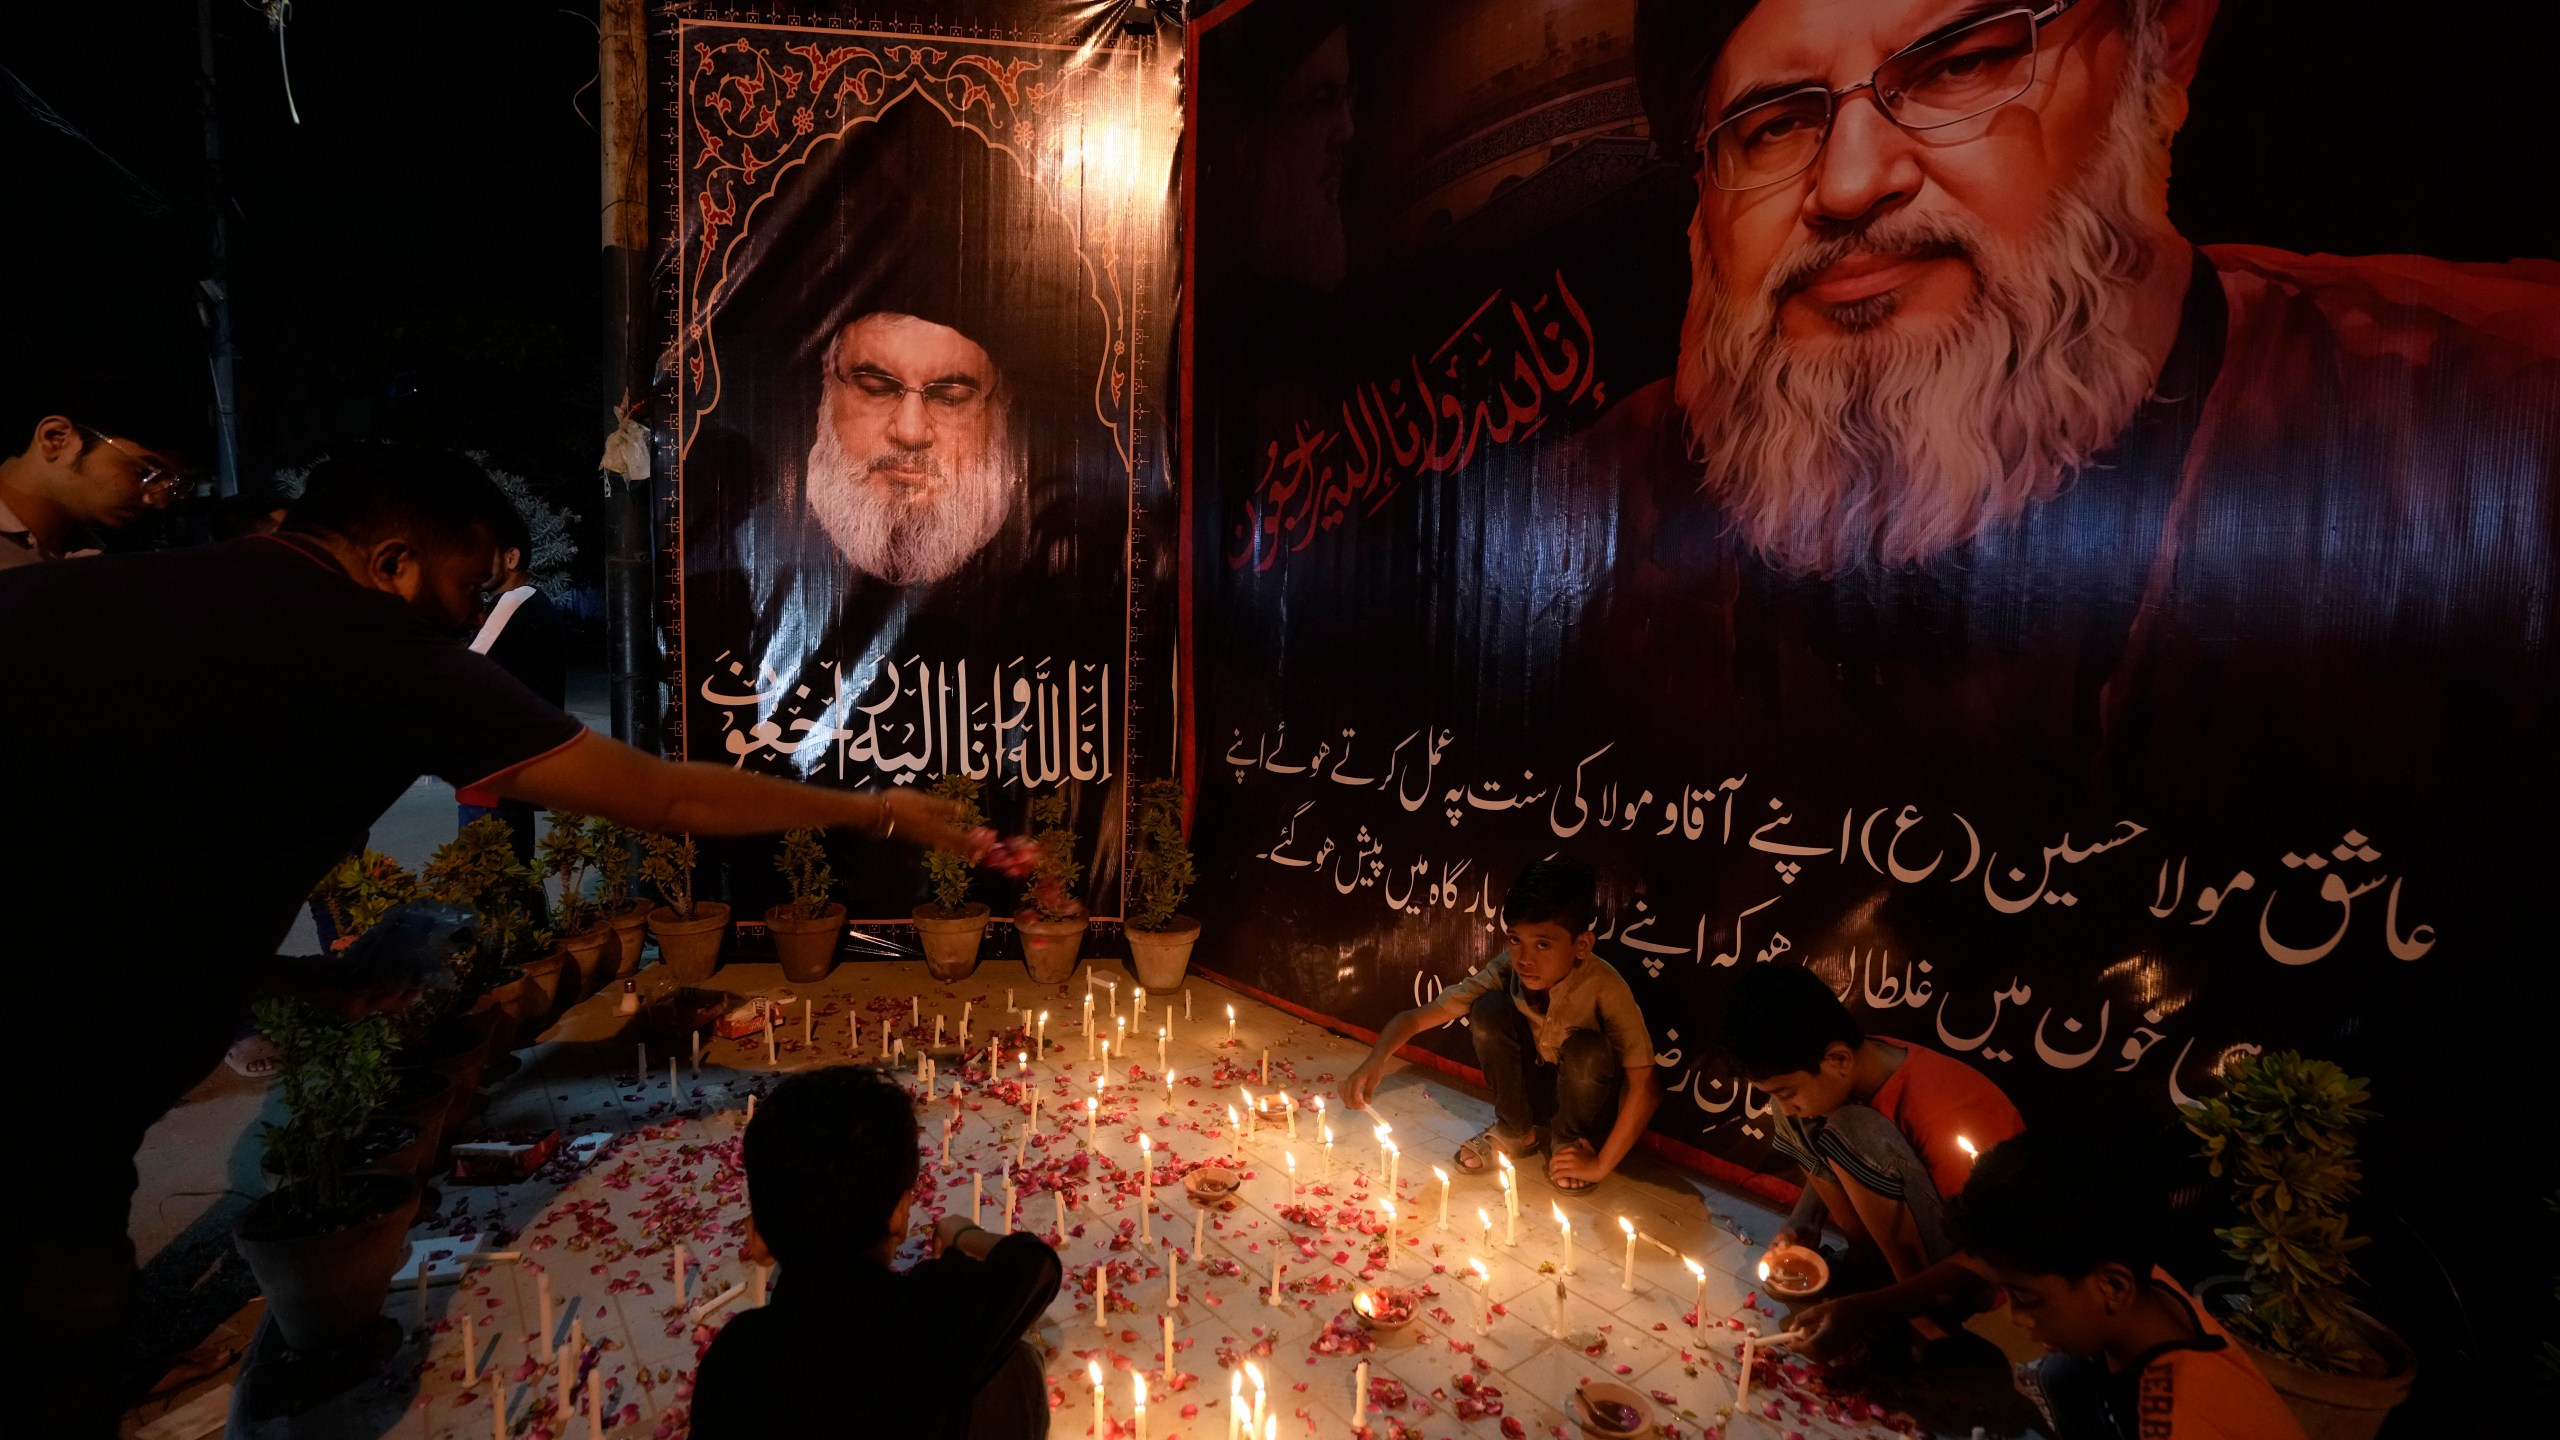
[(1476, 1156)]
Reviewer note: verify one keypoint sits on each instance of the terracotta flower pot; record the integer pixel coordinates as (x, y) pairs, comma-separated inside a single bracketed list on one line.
[(591, 956), (552, 976), (807, 947), (1049, 947), (630, 933), (1163, 957), (690, 948), (325, 1288), (519, 994), (391, 1144), (2327, 1406), (951, 938)]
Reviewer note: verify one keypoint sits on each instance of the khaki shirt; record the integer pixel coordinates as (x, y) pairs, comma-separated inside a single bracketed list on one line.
[(1593, 997)]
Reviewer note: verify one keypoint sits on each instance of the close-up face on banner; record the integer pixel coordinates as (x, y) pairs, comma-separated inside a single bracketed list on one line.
[(1810, 462), (917, 413)]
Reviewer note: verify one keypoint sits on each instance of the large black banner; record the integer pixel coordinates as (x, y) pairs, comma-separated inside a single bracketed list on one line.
[(1892, 543), (916, 278)]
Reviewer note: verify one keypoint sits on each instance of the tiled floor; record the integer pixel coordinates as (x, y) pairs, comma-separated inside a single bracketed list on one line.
[(662, 1174)]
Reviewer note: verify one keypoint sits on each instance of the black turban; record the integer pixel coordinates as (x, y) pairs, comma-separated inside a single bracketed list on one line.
[(1677, 42)]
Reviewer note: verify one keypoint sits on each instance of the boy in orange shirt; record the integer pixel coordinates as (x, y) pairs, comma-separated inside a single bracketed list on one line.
[(1881, 1128), (2057, 1223)]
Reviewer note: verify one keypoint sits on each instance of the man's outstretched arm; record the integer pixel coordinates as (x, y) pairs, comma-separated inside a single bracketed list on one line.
[(597, 775)]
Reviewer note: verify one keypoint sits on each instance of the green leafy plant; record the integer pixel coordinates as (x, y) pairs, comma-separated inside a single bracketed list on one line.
[(1055, 873), (947, 873), (565, 856), (1163, 874), (2283, 1131), (666, 862), (334, 1075), (364, 888), (478, 869), (803, 863), (610, 849)]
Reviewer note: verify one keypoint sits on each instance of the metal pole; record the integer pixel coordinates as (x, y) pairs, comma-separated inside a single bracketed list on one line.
[(623, 87), (216, 286)]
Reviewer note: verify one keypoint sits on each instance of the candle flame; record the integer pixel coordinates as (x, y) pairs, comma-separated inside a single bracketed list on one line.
[(1967, 1147), (1292, 1157), (1091, 1104), (1146, 1144), (1231, 1014), (1764, 1269), (1391, 1148), (1253, 1372), (1319, 1107), (1141, 1387), (1505, 1178), (1442, 1174), (1383, 1128), (1094, 1369), (1328, 1134), (1502, 1160), (1044, 1017), (1232, 1121), (1559, 1213), (1627, 1225), (1270, 1427), (1484, 1217), (1390, 1207), (1695, 1269), (1478, 1267)]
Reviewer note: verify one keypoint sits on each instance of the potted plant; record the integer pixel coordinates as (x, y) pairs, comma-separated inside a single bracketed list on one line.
[(1160, 938), (563, 855), (437, 1045), (688, 930), (804, 930), (2283, 1130), (612, 850), (951, 925), (478, 870), (1052, 920), (324, 1243)]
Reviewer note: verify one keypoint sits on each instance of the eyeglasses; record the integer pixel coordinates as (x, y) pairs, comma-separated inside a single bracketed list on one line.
[(160, 484), (1946, 79), (884, 390)]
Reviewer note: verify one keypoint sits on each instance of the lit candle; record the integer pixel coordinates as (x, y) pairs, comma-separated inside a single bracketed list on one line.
[(1058, 1206), (1328, 1153), (1698, 1302), (1289, 1108), (1380, 1130), (1291, 1158), (1088, 1024), (1393, 1155), (1360, 1396), (1629, 1283), (1564, 1237), (1270, 1424), (1443, 1177), (1146, 1171), (1484, 1292), (1009, 1196), (1092, 1113), (1279, 1271), (1138, 1001), (1510, 1200), (1484, 1229), (1040, 1037), (1106, 1062), (1253, 1373), (1970, 1154), (1101, 1413), (542, 1307), (1266, 1068), (1235, 1135), (1231, 1024), (1168, 1090), (1248, 1110), (1138, 1404), (1162, 1039), (1235, 1404), (1120, 1032)]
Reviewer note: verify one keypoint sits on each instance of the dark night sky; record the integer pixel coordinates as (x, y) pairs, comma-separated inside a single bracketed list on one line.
[(416, 259)]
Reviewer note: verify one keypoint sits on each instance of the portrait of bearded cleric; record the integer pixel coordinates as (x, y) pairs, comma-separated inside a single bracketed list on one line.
[(1934, 281)]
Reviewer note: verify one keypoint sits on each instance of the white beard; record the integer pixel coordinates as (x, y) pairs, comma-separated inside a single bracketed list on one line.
[(1884, 447), (904, 536)]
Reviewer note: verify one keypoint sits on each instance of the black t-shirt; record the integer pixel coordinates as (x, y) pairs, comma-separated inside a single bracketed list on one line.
[(916, 1346), (534, 648), (189, 740)]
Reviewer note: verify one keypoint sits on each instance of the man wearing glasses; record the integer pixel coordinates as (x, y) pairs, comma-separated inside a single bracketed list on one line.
[(92, 459), (912, 470)]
